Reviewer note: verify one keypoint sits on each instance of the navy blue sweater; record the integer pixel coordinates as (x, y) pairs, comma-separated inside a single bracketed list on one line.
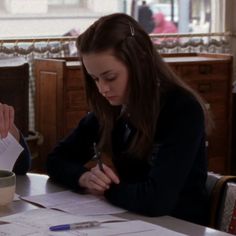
[(171, 181)]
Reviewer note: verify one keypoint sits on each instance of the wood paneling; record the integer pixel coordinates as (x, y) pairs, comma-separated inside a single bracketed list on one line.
[(211, 76), (60, 100), (14, 89)]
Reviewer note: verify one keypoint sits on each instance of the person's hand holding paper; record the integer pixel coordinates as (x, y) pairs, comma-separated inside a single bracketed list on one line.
[(10, 148)]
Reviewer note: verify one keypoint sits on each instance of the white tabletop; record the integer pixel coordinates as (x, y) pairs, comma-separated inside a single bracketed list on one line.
[(32, 184)]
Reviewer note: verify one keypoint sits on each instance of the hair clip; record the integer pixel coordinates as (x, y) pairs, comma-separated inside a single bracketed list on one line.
[(131, 29)]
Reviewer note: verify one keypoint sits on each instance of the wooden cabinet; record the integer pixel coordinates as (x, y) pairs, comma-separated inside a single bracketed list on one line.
[(14, 84), (60, 99), (233, 154), (210, 75)]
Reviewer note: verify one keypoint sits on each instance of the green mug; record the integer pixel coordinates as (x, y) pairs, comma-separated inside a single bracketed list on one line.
[(7, 186)]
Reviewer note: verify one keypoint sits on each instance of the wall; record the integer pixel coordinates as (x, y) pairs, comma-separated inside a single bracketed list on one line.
[(230, 25)]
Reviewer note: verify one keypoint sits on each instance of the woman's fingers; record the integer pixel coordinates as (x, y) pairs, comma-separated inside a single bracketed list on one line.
[(101, 175), (92, 183), (6, 119), (111, 174), (108, 176), (12, 115), (2, 121), (98, 181)]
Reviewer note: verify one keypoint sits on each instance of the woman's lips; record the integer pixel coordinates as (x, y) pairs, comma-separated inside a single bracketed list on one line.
[(111, 97)]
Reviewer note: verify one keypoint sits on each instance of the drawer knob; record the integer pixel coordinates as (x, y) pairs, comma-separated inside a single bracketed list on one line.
[(205, 69), (203, 88)]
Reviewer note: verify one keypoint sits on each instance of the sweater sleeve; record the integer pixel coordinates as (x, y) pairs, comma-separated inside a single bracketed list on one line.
[(179, 136), (23, 162), (65, 164)]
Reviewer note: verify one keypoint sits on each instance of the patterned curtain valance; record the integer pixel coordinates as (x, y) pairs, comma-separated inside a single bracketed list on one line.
[(31, 48), (65, 46)]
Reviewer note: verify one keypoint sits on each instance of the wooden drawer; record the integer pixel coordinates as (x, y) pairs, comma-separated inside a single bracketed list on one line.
[(217, 146), (218, 110), (73, 118), (75, 99), (216, 71), (218, 164), (218, 139), (73, 79), (210, 90), (176, 69)]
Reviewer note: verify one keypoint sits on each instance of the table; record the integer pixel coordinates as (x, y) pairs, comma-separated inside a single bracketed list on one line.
[(32, 184)]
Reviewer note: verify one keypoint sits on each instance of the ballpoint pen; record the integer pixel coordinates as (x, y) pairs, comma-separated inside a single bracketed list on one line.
[(97, 156), (83, 225), (80, 225)]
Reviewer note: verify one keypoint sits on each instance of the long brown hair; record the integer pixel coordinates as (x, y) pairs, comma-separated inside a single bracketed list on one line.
[(149, 78)]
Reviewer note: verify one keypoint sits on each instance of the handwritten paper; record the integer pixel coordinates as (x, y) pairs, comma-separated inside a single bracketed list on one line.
[(10, 150), (129, 228), (79, 204), (37, 222)]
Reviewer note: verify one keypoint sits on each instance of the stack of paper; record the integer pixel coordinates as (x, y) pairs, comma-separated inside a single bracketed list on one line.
[(78, 204), (37, 222)]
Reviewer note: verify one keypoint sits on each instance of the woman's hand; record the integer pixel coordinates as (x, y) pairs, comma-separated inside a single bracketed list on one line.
[(7, 115), (97, 181)]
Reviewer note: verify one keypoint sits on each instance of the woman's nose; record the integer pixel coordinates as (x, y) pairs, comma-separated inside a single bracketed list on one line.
[(103, 87)]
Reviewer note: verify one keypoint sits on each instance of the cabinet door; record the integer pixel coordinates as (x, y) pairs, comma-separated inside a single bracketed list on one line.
[(49, 103), (212, 81), (75, 101), (14, 91)]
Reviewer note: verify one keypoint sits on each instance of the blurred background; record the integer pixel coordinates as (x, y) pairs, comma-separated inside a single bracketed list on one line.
[(23, 18)]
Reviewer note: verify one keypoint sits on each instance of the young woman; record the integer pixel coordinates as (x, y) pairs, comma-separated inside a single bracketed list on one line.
[(144, 120), (7, 114)]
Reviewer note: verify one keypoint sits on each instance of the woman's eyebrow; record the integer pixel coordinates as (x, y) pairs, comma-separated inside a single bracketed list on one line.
[(101, 74), (105, 72)]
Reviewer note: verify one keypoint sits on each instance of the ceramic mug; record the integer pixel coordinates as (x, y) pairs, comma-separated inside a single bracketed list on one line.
[(7, 186)]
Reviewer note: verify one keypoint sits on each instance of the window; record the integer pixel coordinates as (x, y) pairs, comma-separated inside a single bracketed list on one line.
[(63, 2), (197, 16), (23, 18)]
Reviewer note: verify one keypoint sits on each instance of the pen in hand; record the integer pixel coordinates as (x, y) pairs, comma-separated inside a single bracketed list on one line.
[(97, 156)]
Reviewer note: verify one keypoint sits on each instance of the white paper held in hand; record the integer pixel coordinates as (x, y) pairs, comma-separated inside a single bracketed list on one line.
[(10, 150)]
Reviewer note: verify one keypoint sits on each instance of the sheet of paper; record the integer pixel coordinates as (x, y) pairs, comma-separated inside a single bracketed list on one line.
[(37, 222), (82, 204), (10, 150), (16, 197), (97, 207), (129, 228)]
